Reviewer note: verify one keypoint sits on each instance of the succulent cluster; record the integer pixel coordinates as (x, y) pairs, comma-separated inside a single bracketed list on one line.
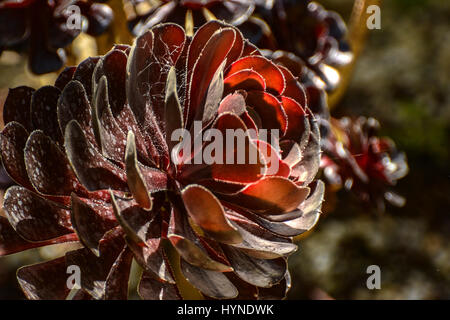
[(311, 40), (302, 31), (142, 14), (354, 157), (39, 28), (94, 163), (94, 160)]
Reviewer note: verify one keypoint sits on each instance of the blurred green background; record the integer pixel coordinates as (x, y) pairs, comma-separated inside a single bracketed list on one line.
[(402, 79)]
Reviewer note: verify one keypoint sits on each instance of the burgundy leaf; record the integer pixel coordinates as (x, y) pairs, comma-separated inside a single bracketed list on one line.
[(65, 77), (95, 270), (48, 168), (285, 196), (44, 281), (306, 169), (35, 218), (246, 79), (211, 57), (188, 246), (116, 287), (18, 106), (259, 243), (113, 67), (153, 289), (278, 291), (73, 104), (13, 139), (11, 242), (44, 112), (212, 283), (90, 222), (152, 259), (272, 75), (83, 74), (259, 272), (94, 171), (207, 212), (269, 109)]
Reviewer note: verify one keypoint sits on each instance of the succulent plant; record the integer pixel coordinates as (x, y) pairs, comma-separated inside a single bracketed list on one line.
[(302, 31), (306, 34), (5, 180), (39, 28), (94, 162), (356, 158)]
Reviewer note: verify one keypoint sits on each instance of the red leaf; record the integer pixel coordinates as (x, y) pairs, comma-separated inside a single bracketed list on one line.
[(94, 171), (17, 106), (211, 283), (44, 112), (213, 54), (246, 79), (35, 218), (13, 139), (91, 221), (11, 242), (83, 74), (259, 272), (270, 195), (116, 287), (48, 168), (74, 104), (152, 289), (269, 110), (296, 118), (44, 281), (207, 212), (65, 77), (268, 70)]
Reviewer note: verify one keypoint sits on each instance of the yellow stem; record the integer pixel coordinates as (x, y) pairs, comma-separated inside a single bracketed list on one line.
[(118, 32), (187, 291), (189, 23), (357, 37)]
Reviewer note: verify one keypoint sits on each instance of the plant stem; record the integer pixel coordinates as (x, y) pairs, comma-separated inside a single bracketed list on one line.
[(187, 291), (357, 37), (118, 32)]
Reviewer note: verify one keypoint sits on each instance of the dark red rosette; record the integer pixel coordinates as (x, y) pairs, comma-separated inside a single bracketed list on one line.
[(316, 37), (39, 28), (94, 160), (305, 33), (356, 158)]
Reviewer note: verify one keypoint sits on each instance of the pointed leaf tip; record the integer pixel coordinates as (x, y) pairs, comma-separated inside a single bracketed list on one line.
[(173, 113), (134, 176)]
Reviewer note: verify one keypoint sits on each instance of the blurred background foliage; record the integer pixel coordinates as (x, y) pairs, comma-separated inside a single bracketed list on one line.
[(402, 79)]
